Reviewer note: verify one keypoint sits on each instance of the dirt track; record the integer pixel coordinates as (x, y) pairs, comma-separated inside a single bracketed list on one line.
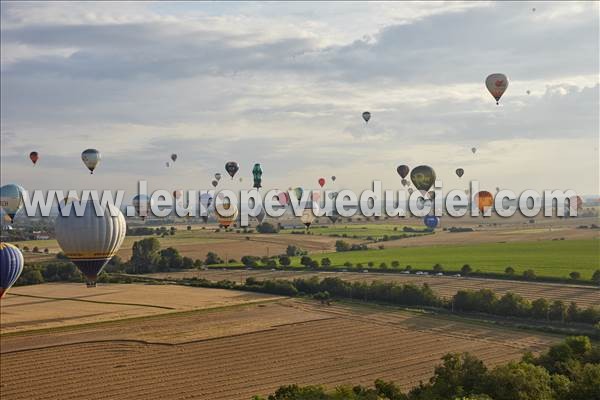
[(291, 342)]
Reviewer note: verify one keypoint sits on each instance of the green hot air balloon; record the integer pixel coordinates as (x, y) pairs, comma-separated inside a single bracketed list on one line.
[(298, 192), (257, 174), (423, 177)]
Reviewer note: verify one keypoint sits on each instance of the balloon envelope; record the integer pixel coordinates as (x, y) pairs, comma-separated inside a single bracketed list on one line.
[(484, 200), (174, 157), (257, 175), (91, 158), (496, 84), (431, 221), (298, 192), (11, 266), (321, 182), (232, 168), (460, 172), (333, 178), (423, 177), (33, 156), (227, 220), (218, 176), (402, 170), (215, 183), (366, 116), (11, 199), (91, 240)]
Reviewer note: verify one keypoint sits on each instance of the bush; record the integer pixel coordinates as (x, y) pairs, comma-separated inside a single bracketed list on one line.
[(284, 260), (438, 268), (395, 264), (383, 266), (466, 269), (341, 245), (305, 260), (212, 258), (326, 262), (250, 261), (529, 275), (575, 275), (510, 271), (596, 277), (348, 264), (266, 227)]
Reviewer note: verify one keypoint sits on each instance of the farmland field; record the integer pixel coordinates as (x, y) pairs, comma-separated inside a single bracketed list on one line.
[(205, 353), (546, 258), (445, 286)]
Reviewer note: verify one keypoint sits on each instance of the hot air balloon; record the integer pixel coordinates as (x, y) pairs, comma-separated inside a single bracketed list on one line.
[(431, 221), (402, 171), (308, 214), (11, 199), (174, 157), (167, 164), (473, 150), (283, 198), (11, 266), (261, 215), (298, 192), (33, 156), (321, 182), (528, 92), (91, 240), (218, 176), (91, 158), (366, 116), (226, 221), (215, 183), (423, 177), (404, 182), (496, 84), (484, 200), (206, 200), (232, 168), (460, 172), (333, 178), (257, 175), (142, 205), (410, 191)]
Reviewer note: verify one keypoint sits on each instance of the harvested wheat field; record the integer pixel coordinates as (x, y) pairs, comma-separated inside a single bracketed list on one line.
[(56, 305), (239, 351), (445, 286)]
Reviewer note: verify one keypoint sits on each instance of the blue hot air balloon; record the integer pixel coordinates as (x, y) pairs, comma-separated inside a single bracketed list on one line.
[(11, 266), (431, 221)]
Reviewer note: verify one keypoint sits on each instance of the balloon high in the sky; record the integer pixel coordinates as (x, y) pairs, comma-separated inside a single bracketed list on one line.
[(402, 170), (232, 168), (484, 200), (473, 150), (333, 178), (11, 199), (174, 157), (34, 156), (11, 266), (321, 182), (91, 158), (460, 172), (257, 175), (423, 177), (496, 84), (404, 182), (91, 240), (308, 214), (298, 192), (366, 116), (215, 183), (167, 164), (218, 176)]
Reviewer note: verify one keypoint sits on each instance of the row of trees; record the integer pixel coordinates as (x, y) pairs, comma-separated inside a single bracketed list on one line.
[(568, 371)]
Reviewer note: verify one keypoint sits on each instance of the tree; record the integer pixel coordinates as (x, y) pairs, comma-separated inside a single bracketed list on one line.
[(187, 263), (144, 256), (341, 245), (539, 308), (510, 271), (586, 383), (395, 264), (266, 227), (459, 375), (170, 258), (284, 260), (46, 250), (212, 258), (36, 249), (291, 250), (558, 311), (596, 277), (189, 228), (466, 269), (250, 261), (575, 275), (519, 381), (305, 260), (438, 268), (529, 275), (326, 262)]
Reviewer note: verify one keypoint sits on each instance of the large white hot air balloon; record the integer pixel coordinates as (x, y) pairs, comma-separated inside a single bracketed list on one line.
[(91, 240), (91, 158)]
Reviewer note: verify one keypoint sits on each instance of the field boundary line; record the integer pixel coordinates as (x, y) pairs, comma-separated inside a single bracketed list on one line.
[(92, 301)]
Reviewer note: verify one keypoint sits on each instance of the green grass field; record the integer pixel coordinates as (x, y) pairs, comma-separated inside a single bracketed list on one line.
[(360, 231), (546, 258)]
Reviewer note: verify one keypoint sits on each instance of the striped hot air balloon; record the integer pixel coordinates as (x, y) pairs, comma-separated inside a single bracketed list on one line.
[(91, 240), (11, 266)]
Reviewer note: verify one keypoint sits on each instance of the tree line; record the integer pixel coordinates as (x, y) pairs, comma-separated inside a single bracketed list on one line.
[(569, 370)]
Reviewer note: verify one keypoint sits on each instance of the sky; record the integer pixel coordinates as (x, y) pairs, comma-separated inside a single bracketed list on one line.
[(285, 84)]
